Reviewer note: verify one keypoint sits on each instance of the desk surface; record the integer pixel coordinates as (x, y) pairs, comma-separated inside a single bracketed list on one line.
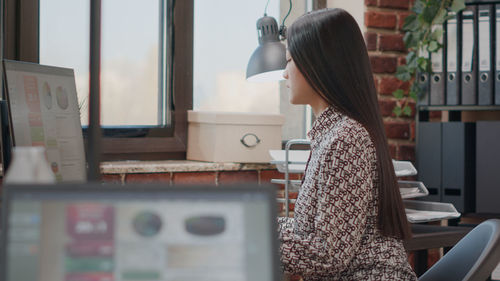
[(434, 236)]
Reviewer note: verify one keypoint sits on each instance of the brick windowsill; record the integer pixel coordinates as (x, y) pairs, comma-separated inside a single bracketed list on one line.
[(168, 166)]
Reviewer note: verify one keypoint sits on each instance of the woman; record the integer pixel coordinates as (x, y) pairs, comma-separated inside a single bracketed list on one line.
[(349, 218)]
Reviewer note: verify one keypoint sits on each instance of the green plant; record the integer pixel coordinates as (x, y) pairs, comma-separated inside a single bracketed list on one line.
[(423, 35)]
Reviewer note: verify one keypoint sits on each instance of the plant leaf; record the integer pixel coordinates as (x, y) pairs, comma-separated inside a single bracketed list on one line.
[(429, 13), (423, 64), (411, 60), (403, 73), (412, 38), (407, 39), (397, 110), (413, 95), (418, 6), (399, 94), (440, 17), (411, 56), (422, 39), (407, 111), (433, 46), (437, 33), (411, 23), (457, 5)]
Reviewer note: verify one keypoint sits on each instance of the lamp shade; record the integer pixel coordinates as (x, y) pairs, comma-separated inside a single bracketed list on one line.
[(269, 59)]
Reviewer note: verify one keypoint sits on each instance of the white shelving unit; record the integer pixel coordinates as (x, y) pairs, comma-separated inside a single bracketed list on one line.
[(294, 162)]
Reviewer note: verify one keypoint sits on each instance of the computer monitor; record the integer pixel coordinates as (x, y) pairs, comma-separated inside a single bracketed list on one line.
[(43, 108), (94, 232)]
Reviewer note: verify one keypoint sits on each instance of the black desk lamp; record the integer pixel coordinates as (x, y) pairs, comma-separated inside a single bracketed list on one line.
[(269, 60)]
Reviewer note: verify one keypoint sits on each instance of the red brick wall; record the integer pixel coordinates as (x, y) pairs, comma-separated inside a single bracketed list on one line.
[(211, 178), (384, 40), (260, 176)]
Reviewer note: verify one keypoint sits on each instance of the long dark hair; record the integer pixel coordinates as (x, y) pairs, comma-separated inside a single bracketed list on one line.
[(329, 50)]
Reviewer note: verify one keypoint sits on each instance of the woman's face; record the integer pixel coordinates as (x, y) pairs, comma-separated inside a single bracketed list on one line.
[(300, 90)]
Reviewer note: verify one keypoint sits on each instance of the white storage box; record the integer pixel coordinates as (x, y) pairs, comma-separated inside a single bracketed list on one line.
[(233, 137)]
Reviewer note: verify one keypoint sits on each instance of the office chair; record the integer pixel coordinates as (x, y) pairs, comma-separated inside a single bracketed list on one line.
[(474, 257)]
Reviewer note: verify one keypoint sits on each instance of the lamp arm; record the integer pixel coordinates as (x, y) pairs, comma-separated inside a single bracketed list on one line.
[(282, 31), (287, 14)]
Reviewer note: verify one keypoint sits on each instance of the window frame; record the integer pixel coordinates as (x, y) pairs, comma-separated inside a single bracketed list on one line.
[(21, 42)]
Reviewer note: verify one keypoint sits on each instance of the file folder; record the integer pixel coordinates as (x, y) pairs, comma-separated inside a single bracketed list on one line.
[(485, 81), (423, 82), (497, 55), (487, 175), (452, 61), (458, 166), (429, 158), (437, 81), (469, 50)]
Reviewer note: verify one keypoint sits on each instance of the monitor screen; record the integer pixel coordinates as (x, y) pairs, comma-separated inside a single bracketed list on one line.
[(44, 112), (101, 234)]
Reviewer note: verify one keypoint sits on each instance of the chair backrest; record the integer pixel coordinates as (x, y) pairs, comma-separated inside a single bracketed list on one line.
[(474, 257)]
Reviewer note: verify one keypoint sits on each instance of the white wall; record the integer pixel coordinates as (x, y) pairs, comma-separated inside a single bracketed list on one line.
[(355, 7)]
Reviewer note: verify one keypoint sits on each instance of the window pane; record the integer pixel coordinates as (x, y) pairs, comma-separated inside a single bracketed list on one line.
[(64, 41), (225, 37), (129, 55)]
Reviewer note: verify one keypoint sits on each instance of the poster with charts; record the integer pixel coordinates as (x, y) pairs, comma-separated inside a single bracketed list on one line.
[(44, 112)]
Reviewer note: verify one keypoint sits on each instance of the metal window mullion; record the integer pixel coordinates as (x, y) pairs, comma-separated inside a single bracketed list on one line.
[(169, 64), (161, 63), (165, 61), (94, 92)]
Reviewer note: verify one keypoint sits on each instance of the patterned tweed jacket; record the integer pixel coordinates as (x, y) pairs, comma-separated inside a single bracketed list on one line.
[(333, 235)]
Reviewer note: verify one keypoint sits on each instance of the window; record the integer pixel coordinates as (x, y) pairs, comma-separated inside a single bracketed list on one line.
[(131, 61), (135, 100), (224, 40)]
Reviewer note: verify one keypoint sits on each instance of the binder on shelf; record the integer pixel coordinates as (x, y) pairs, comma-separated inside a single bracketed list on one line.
[(429, 158), (452, 61), (485, 80), (459, 165), (487, 172), (497, 54), (423, 82), (469, 65), (437, 81)]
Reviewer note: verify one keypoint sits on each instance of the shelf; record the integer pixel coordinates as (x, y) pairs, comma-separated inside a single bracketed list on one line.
[(423, 211), (457, 107), (404, 168), (412, 189)]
